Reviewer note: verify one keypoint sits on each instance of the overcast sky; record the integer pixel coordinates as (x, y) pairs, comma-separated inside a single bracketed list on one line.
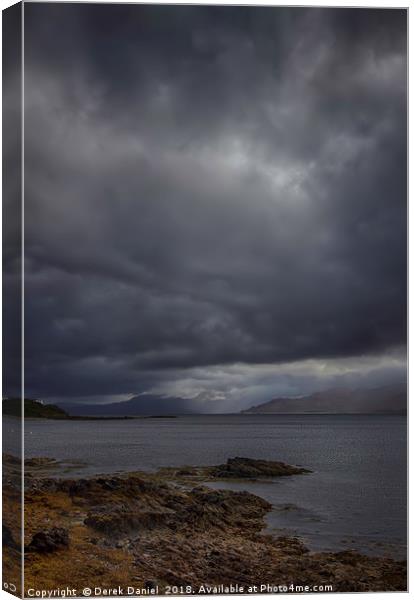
[(215, 200)]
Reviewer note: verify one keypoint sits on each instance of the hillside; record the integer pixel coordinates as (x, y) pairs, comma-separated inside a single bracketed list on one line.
[(143, 405), (383, 400), (32, 409)]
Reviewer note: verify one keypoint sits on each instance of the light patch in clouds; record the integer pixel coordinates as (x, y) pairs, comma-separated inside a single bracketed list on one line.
[(241, 386)]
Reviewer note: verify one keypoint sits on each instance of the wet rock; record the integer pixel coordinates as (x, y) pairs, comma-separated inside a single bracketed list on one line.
[(49, 541), (186, 472), (115, 521), (291, 545), (183, 533), (110, 483), (348, 557), (239, 468), (40, 462)]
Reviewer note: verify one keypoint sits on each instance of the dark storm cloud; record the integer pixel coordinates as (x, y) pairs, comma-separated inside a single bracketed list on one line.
[(210, 186)]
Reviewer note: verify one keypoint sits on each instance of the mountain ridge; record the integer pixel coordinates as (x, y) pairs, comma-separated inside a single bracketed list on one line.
[(141, 405), (380, 400)]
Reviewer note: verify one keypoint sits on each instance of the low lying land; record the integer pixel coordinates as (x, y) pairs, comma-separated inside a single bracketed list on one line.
[(33, 409), (153, 530)]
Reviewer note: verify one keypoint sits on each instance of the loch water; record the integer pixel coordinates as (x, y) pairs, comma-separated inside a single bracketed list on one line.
[(355, 497)]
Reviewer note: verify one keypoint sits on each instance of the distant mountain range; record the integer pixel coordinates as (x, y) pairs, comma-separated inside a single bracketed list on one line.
[(382, 400), (143, 405)]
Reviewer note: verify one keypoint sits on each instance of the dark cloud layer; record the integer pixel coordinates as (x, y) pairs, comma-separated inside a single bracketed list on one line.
[(207, 186)]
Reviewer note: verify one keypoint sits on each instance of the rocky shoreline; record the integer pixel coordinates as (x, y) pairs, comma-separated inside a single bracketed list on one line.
[(154, 530)]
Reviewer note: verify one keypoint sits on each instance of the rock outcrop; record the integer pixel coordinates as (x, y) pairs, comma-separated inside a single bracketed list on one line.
[(50, 540), (168, 528), (240, 468)]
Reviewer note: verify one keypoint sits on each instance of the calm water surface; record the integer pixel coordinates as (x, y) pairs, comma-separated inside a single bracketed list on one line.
[(355, 497)]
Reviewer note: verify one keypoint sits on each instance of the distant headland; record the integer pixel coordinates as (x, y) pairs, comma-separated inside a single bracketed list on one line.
[(34, 409)]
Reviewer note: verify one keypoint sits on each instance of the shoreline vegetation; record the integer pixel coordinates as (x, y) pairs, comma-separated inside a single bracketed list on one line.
[(168, 528)]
